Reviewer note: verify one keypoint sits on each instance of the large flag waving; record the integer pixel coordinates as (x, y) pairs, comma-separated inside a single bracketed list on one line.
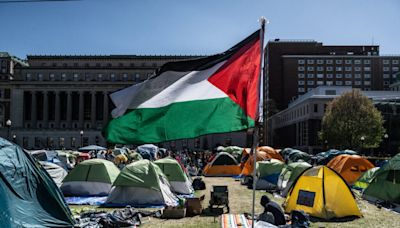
[(190, 98)]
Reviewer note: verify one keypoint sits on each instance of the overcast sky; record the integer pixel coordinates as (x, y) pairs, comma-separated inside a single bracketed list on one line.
[(190, 27)]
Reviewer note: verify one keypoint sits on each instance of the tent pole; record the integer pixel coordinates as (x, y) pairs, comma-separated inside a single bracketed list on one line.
[(258, 119)]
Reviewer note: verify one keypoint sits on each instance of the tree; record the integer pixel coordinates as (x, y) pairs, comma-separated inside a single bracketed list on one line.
[(352, 121)]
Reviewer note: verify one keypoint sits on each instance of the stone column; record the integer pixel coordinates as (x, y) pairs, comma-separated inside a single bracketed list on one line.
[(57, 109), (81, 107), (93, 109), (33, 109), (45, 109), (69, 109), (105, 108)]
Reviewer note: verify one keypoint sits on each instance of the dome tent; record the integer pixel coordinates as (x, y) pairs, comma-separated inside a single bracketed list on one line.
[(56, 172), (180, 182), (92, 177), (28, 195), (223, 164), (268, 173), (350, 167), (322, 193), (148, 151), (386, 183), (141, 183), (323, 158)]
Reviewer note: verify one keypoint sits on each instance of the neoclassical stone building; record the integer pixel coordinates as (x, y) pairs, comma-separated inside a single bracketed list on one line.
[(62, 101)]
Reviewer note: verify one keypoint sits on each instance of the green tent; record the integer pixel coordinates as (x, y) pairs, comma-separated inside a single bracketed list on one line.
[(365, 179), (28, 195), (180, 182), (386, 183), (289, 174), (294, 155), (268, 173), (141, 183), (92, 177)]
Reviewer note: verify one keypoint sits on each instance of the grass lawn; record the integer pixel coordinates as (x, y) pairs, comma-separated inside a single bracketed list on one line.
[(240, 199)]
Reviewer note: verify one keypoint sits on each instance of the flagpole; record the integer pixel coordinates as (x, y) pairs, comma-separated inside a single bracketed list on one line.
[(257, 122)]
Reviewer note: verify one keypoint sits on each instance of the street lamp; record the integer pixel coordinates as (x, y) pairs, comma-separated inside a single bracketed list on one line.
[(8, 124), (362, 142), (386, 136), (14, 138), (81, 133)]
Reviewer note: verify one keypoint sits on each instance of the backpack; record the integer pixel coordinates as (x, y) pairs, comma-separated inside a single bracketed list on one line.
[(198, 184)]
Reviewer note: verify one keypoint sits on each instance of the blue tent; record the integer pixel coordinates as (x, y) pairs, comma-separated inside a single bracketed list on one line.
[(148, 151), (323, 158), (28, 195)]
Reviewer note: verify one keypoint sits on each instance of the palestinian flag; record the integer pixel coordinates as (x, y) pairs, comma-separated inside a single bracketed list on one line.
[(190, 98)]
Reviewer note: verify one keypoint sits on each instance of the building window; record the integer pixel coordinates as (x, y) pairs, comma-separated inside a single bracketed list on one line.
[(338, 68), (394, 76), (52, 78), (320, 83), (320, 68), (64, 77), (310, 82), (25, 142), (329, 61), (28, 77), (315, 107), (329, 83), (367, 68), (367, 76), (125, 77), (310, 61), (386, 76), (137, 77), (339, 83), (347, 83), (40, 77), (112, 77), (338, 75), (310, 68), (357, 83), (348, 69), (320, 75), (73, 142), (348, 61), (357, 61), (329, 75), (310, 75), (386, 69), (88, 77), (329, 69), (338, 61), (395, 68), (347, 75), (76, 77), (394, 61), (367, 61), (357, 68), (300, 61), (100, 77), (300, 75), (301, 82), (320, 61), (367, 83), (385, 61), (300, 89), (357, 75)]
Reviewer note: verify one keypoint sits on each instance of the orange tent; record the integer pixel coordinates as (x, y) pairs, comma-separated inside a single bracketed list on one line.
[(263, 153), (350, 167), (272, 153), (223, 164)]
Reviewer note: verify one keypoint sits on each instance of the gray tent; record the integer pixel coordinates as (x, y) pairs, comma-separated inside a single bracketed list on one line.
[(56, 172)]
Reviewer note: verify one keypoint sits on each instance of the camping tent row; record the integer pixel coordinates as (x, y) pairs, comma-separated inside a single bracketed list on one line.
[(141, 182), (232, 163)]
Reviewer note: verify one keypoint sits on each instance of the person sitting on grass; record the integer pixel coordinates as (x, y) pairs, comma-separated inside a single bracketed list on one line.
[(273, 208)]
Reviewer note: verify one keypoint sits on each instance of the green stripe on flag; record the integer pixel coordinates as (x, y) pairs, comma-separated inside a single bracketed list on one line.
[(177, 121)]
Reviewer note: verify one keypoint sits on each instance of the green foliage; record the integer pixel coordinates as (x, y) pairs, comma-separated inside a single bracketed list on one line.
[(350, 117)]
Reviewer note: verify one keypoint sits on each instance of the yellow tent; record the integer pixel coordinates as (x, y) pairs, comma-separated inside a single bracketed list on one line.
[(322, 193)]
